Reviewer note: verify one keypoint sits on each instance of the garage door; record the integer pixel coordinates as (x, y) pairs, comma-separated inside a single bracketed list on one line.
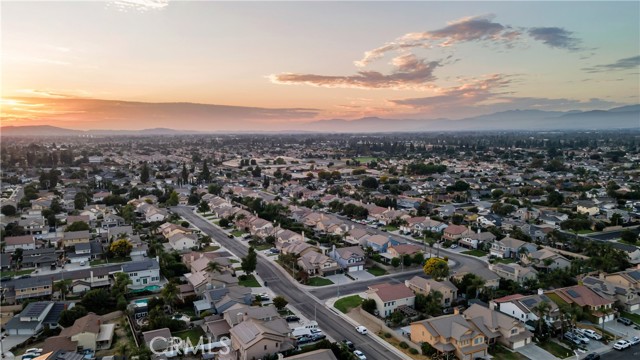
[(519, 344), (356, 268)]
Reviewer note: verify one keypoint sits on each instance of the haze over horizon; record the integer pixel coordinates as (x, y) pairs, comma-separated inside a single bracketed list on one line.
[(137, 64)]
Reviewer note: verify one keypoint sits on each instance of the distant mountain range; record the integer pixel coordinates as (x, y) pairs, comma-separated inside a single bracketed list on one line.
[(626, 117)]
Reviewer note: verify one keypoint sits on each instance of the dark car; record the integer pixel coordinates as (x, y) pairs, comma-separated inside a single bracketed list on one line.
[(292, 318), (349, 345), (625, 321), (316, 337), (592, 356)]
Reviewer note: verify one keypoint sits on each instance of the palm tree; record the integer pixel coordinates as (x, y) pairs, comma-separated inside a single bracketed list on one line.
[(542, 310), (605, 311), (477, 283), (212, 266), (63, 287), (170, 294)]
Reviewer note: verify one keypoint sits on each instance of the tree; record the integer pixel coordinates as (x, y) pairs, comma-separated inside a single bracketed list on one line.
[(144, 173), (204, 207), (215, 189), (406, 260), (541, 310), (395, 262), (437, 268), (78, 226), (629, 236), (212, 266), (185, 174), (224, 222), (616, 219), (63, 287), (555, 199), (370, 182), (280, 302), (121, 248), (205, 175), (369, 305), (173, 199), (170, 293), (8, 210), (418, 258), (80, 201), (249, 262), (69, 316), (99, 301)]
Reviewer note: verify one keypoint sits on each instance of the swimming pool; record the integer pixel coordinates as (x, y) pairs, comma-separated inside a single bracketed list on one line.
[(152, 288)]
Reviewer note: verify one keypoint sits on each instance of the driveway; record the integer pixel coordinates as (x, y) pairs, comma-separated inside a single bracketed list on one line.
[(620, 329), (362, 275), (533, 351), (12, 341)]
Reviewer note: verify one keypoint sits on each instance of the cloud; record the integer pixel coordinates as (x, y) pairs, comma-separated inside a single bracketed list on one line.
[(139, 5), (555, 37), (410, 73), (468, 94), (630, 63), (476, 28)]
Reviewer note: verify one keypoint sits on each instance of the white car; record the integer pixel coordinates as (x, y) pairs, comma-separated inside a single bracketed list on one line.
[(453, 246), (359, 355), (362, 330), (634, 340), (33, 351), (581, 337), (592, 334), (621, 345)]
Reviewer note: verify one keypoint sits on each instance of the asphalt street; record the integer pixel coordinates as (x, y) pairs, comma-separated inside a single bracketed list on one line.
[(311, 307)]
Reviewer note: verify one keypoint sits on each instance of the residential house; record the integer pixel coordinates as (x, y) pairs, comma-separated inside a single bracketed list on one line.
[(34, 318), (391, 297), (400, 250), (626, 297), (322, 354), (451, 334), (349, 258), (378, 243), (183, 242), (299, 248), (491, 279), (357, 236), (477, 240), (524, 308), (425, 286), (629, 278), (34, 226), (33, 288), (546, 259), (71, 238), (285, 236), (24, 242), (497, 326), (587, 207), (218, 300), (318, 264), (591, 303), (511, 248), (89, 333), (455, 232), (254, 339), (142, 273), (158, 340), (514, 272)]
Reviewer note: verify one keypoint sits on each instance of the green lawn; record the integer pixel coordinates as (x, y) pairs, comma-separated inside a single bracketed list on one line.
[(504, 261), (191, 334), (377, 271), (237, 233), (249, 282), (500, 353), (556, 349), (633, 317), (390, 228), (260, 247), (347, 303), (319, 281), (17, 273), (234, 261), (365, 159), (210, 248), (478, 253), (111, 261)]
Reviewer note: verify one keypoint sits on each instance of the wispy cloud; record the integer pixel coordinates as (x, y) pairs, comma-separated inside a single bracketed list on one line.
[(139, 5), (555, 37), (630, 63), (410, 73)]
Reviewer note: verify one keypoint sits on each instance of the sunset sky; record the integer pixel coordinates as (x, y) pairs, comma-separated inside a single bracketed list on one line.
[(111, 65)]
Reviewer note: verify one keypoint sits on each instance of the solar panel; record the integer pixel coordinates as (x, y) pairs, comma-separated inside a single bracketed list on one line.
[(529, 302), (36, 309), (573, 294)]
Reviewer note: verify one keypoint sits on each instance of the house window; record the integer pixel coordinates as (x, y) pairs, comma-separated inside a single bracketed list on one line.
[(265, 347), (478, 340), (514, 331)]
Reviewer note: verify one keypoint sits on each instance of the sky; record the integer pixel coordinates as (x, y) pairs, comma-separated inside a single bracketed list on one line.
[(204, 65)]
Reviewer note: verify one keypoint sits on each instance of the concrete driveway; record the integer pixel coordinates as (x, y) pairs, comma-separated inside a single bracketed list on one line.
[(339, 279), (533, 351), (12, 341), (362, 275)]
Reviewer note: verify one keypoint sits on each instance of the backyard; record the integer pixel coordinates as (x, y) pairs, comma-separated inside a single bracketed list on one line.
[(347, 303), (193, 335)]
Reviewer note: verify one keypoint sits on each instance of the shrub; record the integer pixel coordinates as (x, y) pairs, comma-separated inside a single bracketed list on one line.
[(404, 345), (242, 277), (414, 351), (387, 335)]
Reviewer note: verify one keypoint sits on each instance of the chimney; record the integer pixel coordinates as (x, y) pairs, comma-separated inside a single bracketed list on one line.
[(245, 317), (456, 310), (540, 291), (240, 317), (601, 276)]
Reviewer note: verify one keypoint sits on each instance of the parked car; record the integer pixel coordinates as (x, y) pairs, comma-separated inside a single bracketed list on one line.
[(634, 340), (453, 246), (33, 350), (625, 321), (592, 356), (592, 334), (362, 330), (569, 336), (621, 345), (292, 318), (359, 355), (349, 345), (581, 337), (318, 336)]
